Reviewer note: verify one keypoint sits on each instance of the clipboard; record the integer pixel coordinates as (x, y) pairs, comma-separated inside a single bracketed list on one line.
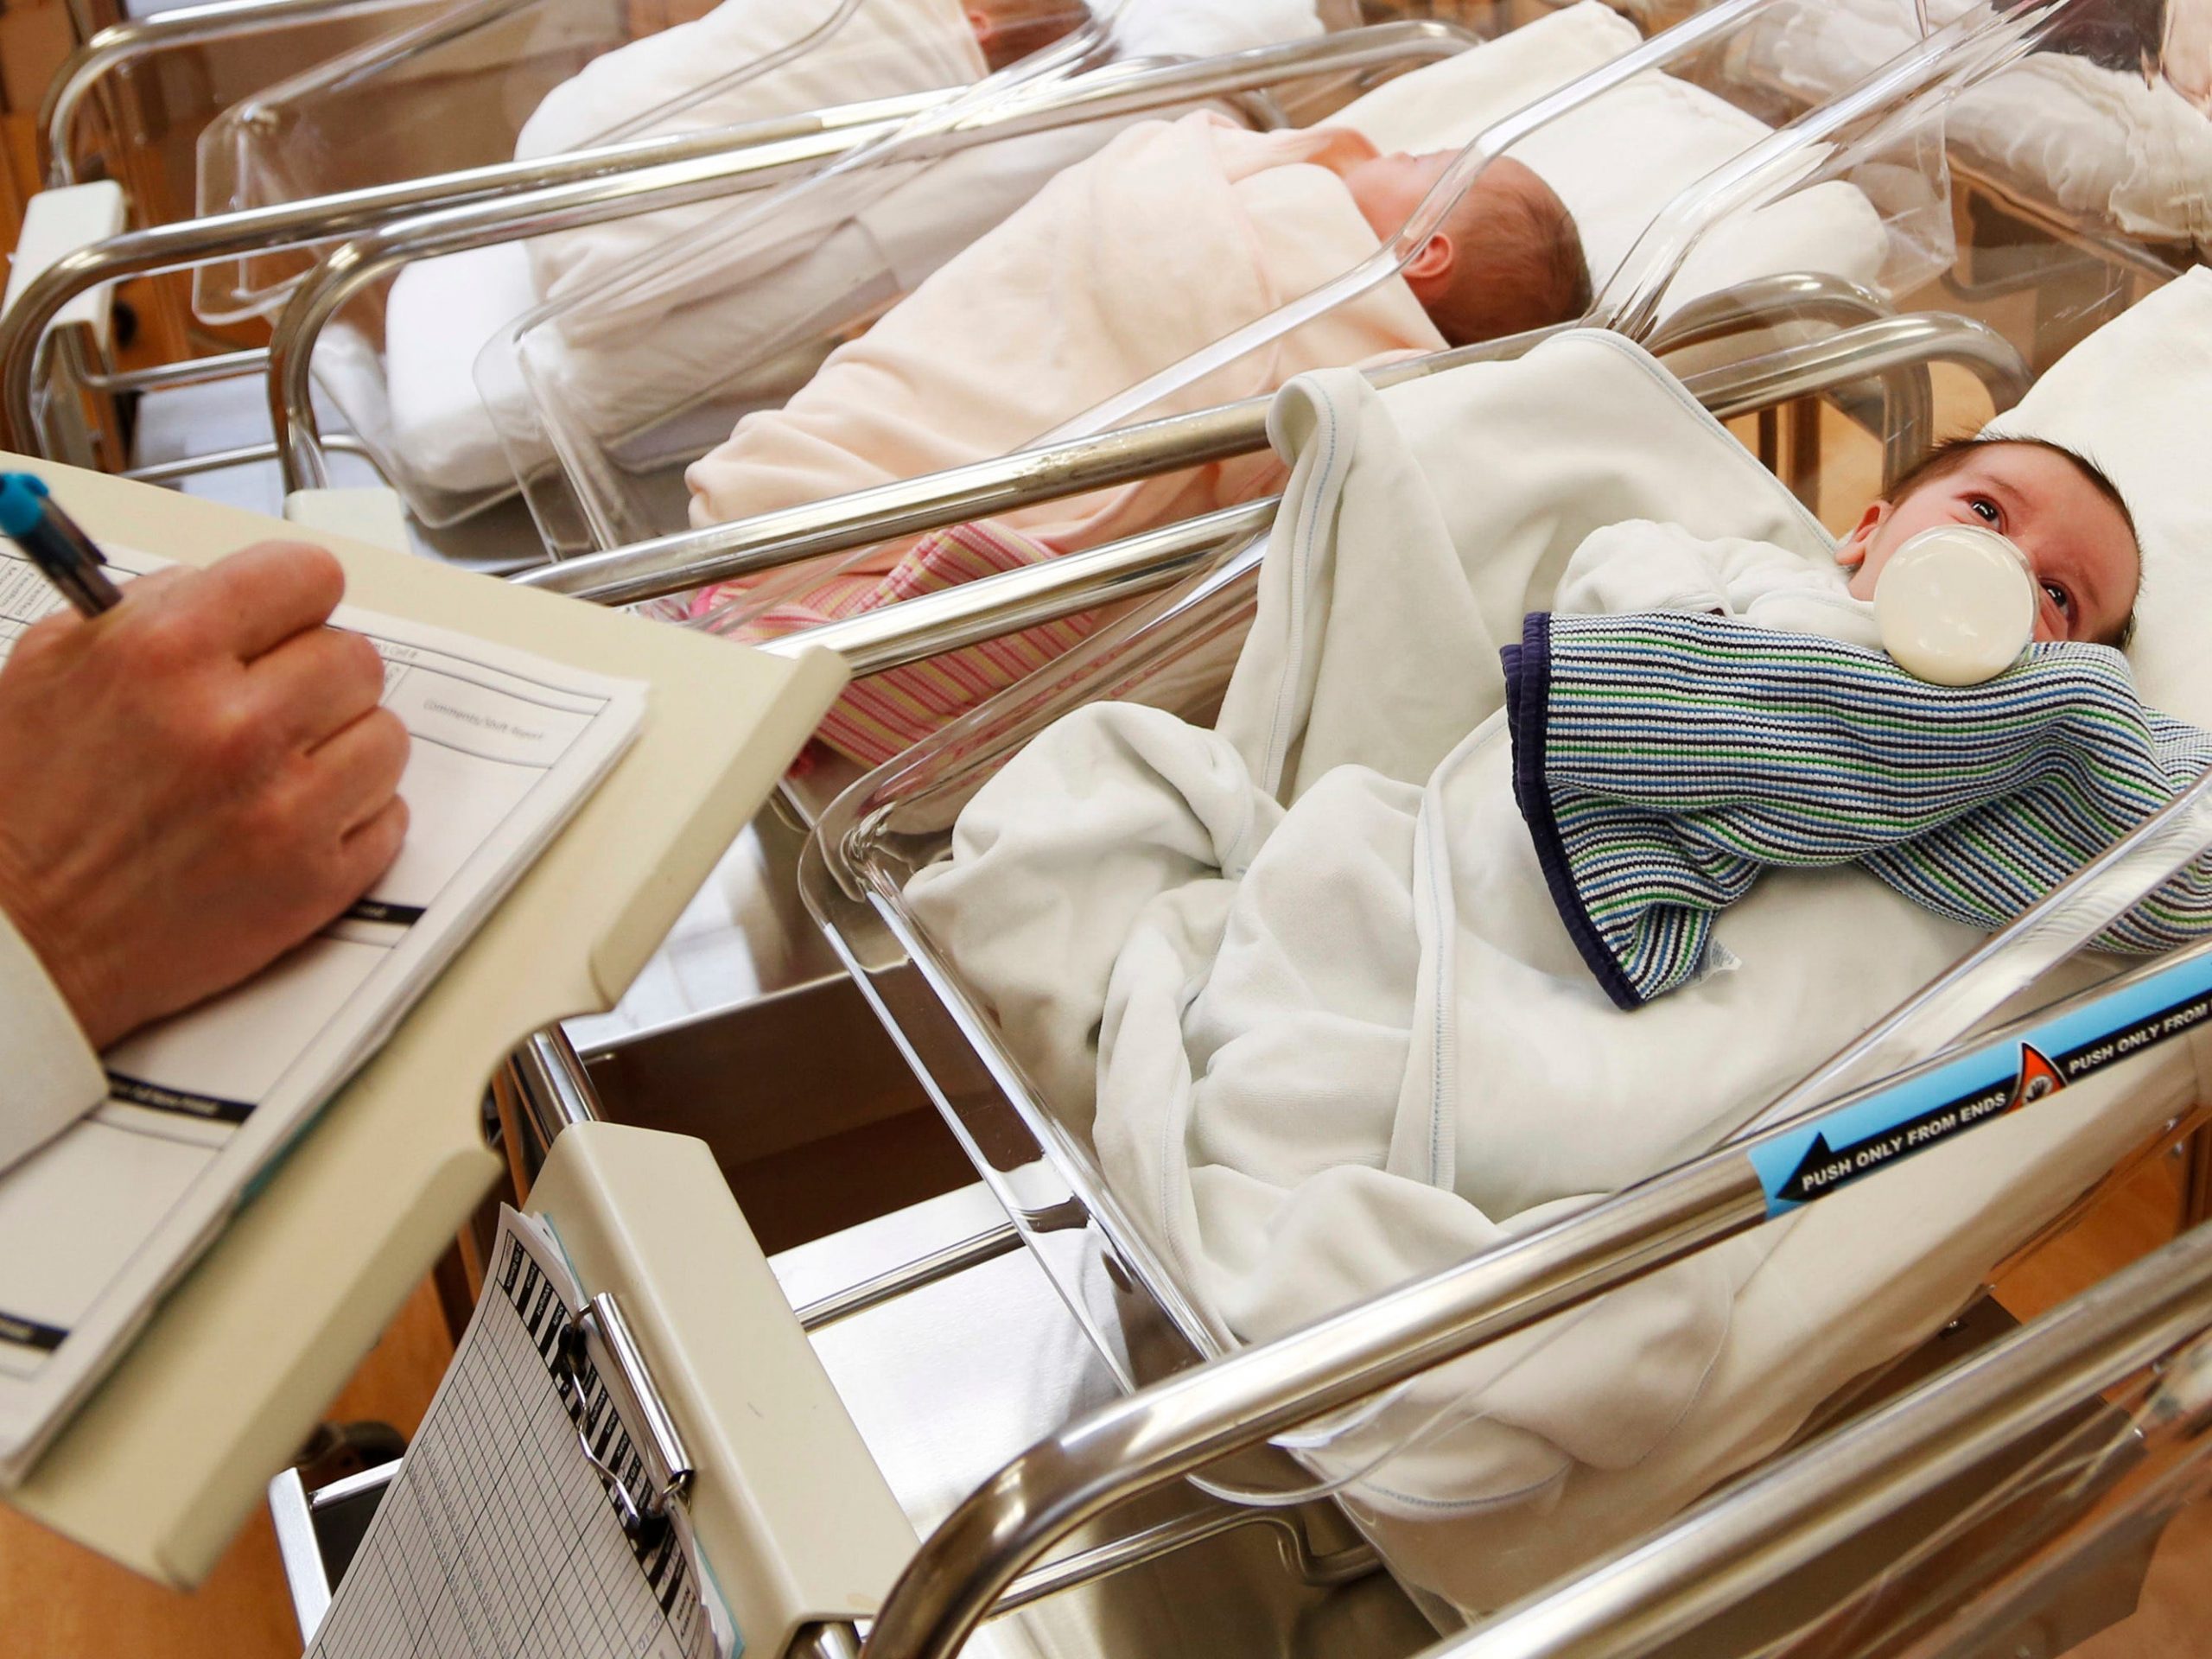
[(635, 1450), (793, 1515), (166, 1459)]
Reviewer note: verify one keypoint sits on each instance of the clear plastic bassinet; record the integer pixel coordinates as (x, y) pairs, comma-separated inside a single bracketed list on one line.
[(1176, 654), (481, 82), (617, 478), (397, 360), (2102, 136), (1043, 1169)]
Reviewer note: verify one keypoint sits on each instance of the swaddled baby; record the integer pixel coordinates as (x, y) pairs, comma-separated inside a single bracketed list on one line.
[(1174, 236), (1664, 759), (2056, 507), (1306, 981)]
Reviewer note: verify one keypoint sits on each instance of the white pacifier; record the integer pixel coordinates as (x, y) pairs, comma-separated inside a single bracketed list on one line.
[(1956, 605)]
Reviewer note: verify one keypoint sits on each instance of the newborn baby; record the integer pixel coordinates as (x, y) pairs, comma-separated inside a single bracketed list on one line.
[(1174, 236), (2055, 506), (1507, 259)]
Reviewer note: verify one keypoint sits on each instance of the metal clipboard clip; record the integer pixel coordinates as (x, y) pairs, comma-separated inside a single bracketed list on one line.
[(624, 1428)]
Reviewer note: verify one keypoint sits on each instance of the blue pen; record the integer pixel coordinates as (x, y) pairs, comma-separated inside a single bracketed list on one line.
[(30, 517)]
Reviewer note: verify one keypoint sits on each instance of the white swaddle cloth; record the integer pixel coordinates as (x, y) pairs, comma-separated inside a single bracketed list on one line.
[(885, 48), (1339, 1036), (1210, 29)]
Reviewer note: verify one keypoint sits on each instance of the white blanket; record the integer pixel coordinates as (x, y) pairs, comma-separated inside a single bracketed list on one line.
[(1304, 971), (760, 59), (1210, 29)]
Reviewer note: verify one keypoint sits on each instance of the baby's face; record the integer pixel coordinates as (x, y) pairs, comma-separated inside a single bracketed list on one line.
[(1390, 187), (2077, 543)]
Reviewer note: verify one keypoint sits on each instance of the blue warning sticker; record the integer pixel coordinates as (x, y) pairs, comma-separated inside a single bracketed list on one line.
[(1930, 1108)]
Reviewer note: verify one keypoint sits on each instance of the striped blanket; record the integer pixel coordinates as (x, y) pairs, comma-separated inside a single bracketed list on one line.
[(887, 712), (1663, 760)]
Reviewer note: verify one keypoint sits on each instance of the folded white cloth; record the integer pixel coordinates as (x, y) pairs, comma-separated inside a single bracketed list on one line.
[(745, 61), (1303, 971), (438, 316)]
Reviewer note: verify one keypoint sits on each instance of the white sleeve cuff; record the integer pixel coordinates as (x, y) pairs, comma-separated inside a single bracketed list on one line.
[(53, 1078)]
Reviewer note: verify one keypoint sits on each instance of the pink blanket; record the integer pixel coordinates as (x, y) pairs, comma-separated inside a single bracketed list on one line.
[(1171, 237), (881, 715)]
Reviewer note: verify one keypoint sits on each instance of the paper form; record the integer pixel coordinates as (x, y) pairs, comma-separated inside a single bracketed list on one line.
[(497, 1540), (98, 1221)]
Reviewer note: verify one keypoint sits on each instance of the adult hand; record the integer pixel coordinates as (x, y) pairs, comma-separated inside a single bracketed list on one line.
[(192, 783)]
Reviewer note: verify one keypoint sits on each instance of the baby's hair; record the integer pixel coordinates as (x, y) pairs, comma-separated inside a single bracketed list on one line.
[(1022, 27), (1520, 263), (1948, 457)]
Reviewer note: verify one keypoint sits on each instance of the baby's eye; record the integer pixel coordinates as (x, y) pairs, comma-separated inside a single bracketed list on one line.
[(1983, 508), (2059, 596)]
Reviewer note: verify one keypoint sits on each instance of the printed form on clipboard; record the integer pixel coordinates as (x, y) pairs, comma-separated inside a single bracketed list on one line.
[(539, 1513), (98, 1221)]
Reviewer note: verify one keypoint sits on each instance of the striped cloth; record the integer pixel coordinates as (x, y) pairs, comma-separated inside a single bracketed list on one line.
[(1663, 760), (888, 712)]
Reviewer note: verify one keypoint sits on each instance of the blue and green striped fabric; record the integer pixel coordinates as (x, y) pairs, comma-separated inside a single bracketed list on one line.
[(1663, 760)]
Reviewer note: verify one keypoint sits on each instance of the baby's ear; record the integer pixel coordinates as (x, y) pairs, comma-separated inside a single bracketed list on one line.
[(1852, 553), (982, 23), (1433, 260)]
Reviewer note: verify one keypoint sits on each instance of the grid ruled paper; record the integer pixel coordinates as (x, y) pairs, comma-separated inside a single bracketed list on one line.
[(498, 1540)]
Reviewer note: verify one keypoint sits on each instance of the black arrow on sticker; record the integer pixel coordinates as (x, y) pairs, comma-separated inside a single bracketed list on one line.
[(1826, 1167)]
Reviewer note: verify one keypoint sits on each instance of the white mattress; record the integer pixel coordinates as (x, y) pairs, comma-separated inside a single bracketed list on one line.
[(439, 316)]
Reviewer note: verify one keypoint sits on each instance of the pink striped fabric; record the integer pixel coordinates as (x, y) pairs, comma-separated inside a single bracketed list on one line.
[(880, 716)]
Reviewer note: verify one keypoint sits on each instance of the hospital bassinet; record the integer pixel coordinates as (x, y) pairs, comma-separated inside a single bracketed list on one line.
[(894, 822), (284, 169), (429, 376), (611, 487), (614, 485), (458, 89), (1107, 1266)]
